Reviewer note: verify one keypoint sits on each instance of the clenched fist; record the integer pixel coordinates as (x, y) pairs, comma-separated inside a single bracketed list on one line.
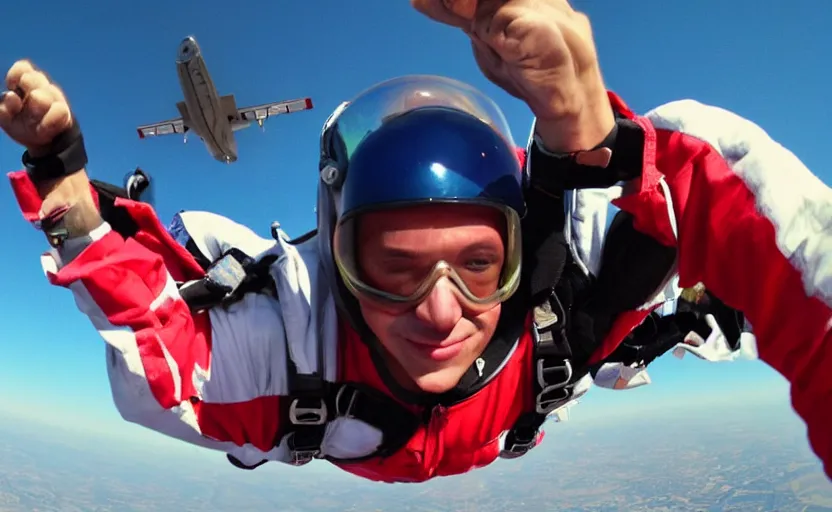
[(33, 111), (542, 52)]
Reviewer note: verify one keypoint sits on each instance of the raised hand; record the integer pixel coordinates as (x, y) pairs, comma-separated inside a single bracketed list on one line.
[(542, 52), (33, 110)]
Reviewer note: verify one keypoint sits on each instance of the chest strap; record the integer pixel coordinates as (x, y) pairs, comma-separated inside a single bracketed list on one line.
[(350, 400), (553, 377), (307, 419)]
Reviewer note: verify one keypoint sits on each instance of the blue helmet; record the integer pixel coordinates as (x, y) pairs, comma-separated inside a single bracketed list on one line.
[(420, 140)]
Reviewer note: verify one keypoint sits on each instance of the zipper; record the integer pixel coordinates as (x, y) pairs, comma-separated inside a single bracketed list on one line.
[(434, 439)]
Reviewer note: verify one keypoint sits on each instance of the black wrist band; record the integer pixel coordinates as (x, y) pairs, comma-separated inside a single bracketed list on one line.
[(67, 155), (554, 173)]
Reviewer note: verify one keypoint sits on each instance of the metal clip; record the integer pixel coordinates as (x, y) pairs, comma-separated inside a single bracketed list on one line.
[(544, 405), (307, 415)]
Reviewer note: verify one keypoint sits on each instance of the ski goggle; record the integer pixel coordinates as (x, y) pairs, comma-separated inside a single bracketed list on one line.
[(473, 296)]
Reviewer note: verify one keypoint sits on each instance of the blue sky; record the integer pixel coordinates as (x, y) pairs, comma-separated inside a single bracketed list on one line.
[(767, 61)]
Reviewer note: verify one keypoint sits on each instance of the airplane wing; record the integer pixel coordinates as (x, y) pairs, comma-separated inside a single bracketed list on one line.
[(259, 113), (168, 127)]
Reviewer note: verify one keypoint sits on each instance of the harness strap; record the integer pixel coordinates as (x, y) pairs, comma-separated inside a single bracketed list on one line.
[(351, 400), (228, 279), (346, 400), (567, 329), (312, 402), (554, 376), (137, 187), (659, 334), (647, 342)]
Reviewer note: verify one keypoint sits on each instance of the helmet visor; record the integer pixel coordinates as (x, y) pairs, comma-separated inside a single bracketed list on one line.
[(370, 109)]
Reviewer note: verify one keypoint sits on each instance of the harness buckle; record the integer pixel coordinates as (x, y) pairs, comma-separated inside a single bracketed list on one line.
[(518, 447), (315, 415), (302, 452), (551, 395), (519, 441), (228, 272), (301, 457)]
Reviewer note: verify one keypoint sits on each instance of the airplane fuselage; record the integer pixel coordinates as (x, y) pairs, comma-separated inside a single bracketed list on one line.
[(204, 115)]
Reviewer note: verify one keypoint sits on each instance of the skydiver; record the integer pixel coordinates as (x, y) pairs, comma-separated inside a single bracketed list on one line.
[(416, 334)]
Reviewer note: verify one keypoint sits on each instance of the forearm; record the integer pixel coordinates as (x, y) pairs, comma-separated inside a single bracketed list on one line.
[(73, 190), (38, 200), (584, 122), (580, 132)]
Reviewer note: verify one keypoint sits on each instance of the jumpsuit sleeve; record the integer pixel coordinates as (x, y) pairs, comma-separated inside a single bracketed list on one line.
[(210, 379), (754, 225)]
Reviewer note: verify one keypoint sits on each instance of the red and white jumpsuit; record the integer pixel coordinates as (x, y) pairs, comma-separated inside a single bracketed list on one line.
[(749, 220)]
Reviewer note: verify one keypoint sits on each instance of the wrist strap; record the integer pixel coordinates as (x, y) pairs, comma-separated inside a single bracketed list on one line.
[(556, 172), (67, 155)]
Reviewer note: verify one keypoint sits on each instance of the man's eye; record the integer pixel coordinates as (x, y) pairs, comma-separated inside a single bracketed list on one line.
[(479, 264)]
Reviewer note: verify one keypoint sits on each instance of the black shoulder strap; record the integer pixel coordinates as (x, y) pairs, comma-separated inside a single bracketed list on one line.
[(573, 311), (228, 279), (137, 187), (553, 376)]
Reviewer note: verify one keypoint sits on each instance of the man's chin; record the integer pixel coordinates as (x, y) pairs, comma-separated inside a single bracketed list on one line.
[(439, 381)]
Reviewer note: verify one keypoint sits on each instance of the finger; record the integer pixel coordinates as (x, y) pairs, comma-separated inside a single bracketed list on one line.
[(484, 14), (58, 98), (5, 118), (30, 81), (56, 120), (464, 9), (10, 105), (17, 70), (38, 102), (490, 24), (56, 93)]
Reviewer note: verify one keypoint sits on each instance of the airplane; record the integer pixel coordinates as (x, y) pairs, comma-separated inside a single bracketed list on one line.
[(213, 118)]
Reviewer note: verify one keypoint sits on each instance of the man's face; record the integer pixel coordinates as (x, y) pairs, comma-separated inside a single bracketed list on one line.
[(431, 345)]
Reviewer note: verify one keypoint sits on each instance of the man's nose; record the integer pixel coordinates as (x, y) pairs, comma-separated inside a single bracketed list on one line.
[(440, 309)]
